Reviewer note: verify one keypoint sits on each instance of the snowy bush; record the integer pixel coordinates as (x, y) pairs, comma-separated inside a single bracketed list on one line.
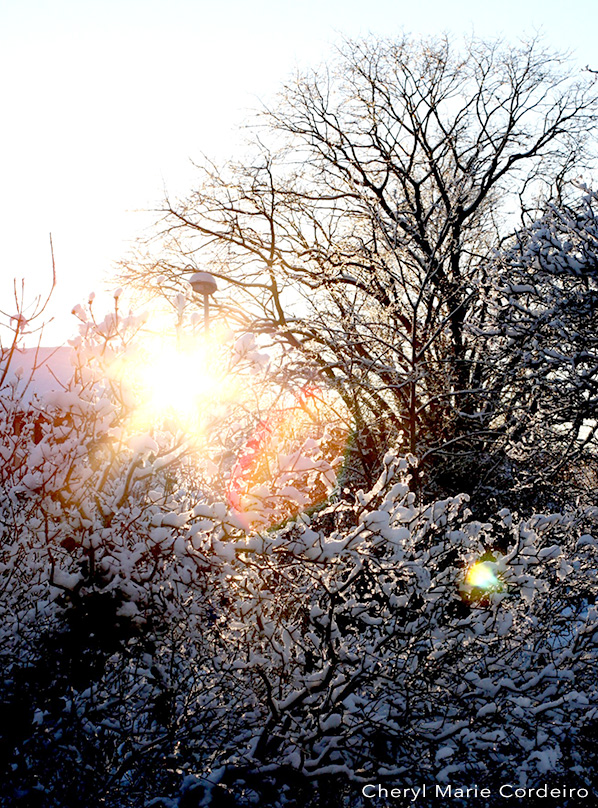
[(226, 625), (543, 347), (156, 646), (99, 568)]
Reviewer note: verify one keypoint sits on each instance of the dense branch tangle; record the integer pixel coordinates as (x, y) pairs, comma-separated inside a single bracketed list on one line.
[(360, 234)]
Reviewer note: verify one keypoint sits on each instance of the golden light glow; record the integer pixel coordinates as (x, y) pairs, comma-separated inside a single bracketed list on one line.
[(187, 383), (290, 458), (482, 576), (289, 446)]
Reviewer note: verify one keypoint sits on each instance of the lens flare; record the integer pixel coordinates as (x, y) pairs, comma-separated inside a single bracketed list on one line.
[(483, 576)]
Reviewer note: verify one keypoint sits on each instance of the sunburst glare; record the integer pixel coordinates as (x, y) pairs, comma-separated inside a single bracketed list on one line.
[(183, 381), (482, 576)]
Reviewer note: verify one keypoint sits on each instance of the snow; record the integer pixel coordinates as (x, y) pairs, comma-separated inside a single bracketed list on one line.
[(39, 371)]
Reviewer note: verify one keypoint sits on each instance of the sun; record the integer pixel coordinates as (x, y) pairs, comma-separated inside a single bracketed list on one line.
[(175, 380), (180, 382), (482, 576)]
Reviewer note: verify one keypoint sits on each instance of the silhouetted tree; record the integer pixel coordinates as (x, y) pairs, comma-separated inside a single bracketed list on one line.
[(359, 234)]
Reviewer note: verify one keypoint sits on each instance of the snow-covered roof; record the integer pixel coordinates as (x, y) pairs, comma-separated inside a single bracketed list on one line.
[(37, 371)]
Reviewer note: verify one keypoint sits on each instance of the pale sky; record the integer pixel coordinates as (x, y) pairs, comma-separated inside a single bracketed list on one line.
[(105, 102)]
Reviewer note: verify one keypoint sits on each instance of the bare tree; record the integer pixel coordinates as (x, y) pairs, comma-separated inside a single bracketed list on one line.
[(359, 234)]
